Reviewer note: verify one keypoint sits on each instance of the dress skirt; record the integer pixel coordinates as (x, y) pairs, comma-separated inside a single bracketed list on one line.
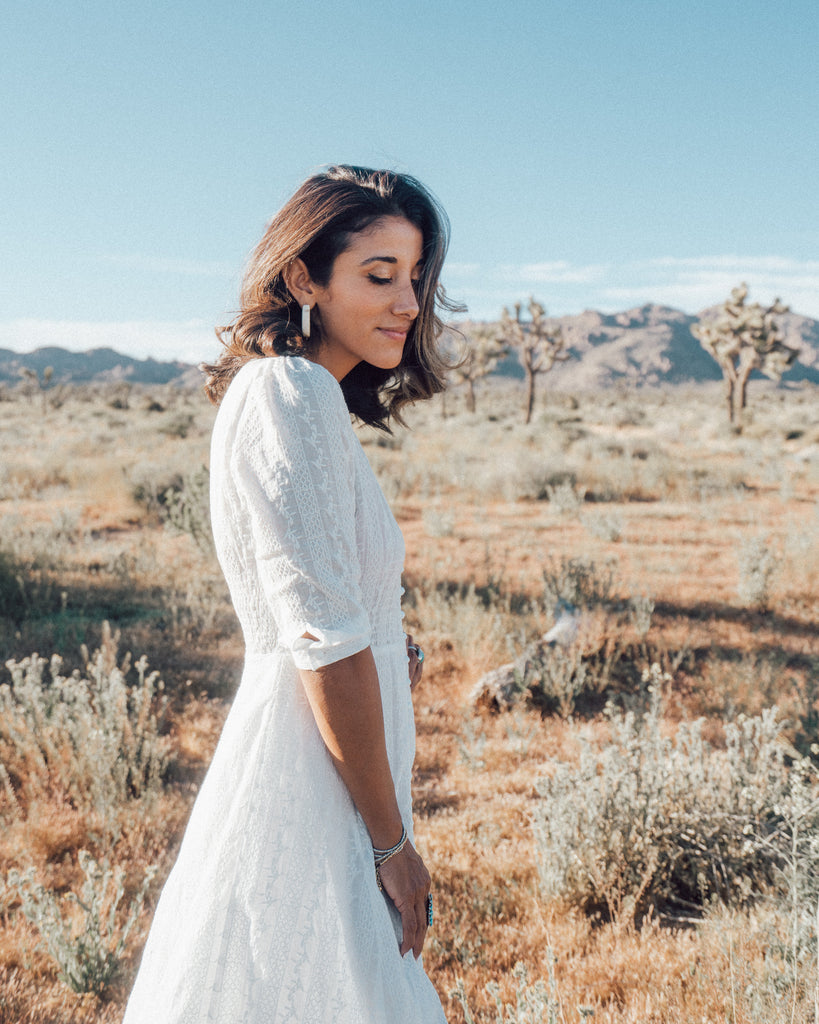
[(271, 913)]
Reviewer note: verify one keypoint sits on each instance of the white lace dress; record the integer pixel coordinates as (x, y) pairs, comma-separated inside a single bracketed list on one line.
[(271, 914)]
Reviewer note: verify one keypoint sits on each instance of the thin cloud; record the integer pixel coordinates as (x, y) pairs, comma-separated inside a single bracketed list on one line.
[(695, 283), (561, 272), (757, 264), (550, 272), (687, 283)]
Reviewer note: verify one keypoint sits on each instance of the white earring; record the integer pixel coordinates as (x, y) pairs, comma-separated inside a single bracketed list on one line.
[(305, 321)]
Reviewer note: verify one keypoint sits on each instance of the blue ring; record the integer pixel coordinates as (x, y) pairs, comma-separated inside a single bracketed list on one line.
[(419, 654)]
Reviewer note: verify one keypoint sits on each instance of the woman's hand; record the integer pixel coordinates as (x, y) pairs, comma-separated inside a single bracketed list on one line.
[(416, 663), (406, 881)]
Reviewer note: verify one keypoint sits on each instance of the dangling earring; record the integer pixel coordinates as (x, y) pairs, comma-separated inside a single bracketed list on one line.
[(305, 321)]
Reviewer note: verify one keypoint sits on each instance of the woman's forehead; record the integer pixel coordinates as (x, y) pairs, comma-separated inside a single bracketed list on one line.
[(389, 239)]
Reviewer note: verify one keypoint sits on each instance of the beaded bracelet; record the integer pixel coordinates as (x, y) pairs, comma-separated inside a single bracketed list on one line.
[(382, 856)]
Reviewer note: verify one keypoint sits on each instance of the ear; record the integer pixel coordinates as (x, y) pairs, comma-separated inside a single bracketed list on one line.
[(299, 284)]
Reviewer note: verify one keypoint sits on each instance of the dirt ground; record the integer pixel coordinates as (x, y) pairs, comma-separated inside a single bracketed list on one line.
[(717, 535)]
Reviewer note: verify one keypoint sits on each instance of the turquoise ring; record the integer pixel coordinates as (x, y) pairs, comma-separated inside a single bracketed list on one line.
[(419, 654)]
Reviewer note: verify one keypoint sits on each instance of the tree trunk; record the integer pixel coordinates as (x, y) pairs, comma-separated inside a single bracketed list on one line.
[(530, 393), (729, 399), (729, 381), (741, 396), (470, 396)]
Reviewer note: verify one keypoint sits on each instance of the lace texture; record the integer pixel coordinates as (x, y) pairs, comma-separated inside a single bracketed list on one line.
[(272, 914)]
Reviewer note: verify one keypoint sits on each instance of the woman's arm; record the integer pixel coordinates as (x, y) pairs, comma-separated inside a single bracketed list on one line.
[(346, 702)]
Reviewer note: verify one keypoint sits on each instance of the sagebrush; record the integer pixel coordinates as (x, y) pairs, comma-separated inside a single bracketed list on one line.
[(93, 739), (669, 824)]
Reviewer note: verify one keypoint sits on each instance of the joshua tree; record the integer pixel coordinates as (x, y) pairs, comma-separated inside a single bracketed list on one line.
[(539, 345), (482, 350), (743, 338), (35, 383)]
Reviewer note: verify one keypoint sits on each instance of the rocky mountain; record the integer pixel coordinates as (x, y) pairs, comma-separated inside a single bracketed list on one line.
[(650, 344), (653, 344), (99, 364)]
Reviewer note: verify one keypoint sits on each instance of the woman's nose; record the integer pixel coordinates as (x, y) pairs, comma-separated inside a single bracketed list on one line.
[(406, 302)]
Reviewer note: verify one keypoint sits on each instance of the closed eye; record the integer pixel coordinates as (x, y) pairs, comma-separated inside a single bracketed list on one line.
[(379, 280)]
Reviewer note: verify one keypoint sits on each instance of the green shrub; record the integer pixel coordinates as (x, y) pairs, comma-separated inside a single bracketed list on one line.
[(590, 657), (475, 620), (82, 934), (26, 589), (186, 508), (178, 426), (535, 1003), (578, 582), (758, 567), (564, 499), (148, 489), (180, 502), (647, 822), (560, 677), (11, 590), (438, 522), (608, 526), (95, 740)]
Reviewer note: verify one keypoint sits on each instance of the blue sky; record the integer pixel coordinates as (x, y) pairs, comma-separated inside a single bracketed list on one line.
[(597, 153)]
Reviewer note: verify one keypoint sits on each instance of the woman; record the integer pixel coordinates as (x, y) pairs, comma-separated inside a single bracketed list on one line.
[(298, 896)]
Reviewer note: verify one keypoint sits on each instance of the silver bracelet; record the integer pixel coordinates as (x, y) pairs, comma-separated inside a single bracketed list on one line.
[(382, 856)]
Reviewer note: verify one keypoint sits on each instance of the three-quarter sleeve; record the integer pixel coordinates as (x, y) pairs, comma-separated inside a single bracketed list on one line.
[(293, 463)]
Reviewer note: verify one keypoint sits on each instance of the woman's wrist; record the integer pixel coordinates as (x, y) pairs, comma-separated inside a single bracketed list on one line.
[(385, 837), (382, 855)]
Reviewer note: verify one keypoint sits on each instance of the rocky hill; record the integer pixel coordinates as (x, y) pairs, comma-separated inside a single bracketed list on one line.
[(648, 345), (98, 364), (653, 345)]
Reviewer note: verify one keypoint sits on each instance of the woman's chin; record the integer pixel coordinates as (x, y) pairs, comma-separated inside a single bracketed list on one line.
[(387, 362)]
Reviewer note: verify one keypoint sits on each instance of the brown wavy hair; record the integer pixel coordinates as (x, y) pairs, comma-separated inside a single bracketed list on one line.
[(316, 225)]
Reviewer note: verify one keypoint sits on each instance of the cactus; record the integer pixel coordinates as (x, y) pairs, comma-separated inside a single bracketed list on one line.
[(743, 338), (539, 345)]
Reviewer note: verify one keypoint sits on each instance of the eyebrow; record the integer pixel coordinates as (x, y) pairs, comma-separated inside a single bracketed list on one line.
[(384, 259)]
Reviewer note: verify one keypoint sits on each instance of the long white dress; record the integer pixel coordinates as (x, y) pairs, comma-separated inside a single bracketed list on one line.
[(272, 914)]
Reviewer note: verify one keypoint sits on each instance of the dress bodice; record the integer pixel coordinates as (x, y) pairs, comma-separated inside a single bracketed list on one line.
[(300, 523)]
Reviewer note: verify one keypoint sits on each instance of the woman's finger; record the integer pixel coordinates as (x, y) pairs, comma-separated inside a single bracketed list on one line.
[(409, 925), (421, 927)]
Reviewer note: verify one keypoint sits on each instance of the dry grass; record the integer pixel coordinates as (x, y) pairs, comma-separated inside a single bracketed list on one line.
[(663, 494)]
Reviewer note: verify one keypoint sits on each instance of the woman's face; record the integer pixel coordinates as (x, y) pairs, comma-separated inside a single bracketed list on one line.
[(369, 303)]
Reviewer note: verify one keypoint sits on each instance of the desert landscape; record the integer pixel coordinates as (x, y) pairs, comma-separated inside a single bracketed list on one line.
[(622, 827)]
